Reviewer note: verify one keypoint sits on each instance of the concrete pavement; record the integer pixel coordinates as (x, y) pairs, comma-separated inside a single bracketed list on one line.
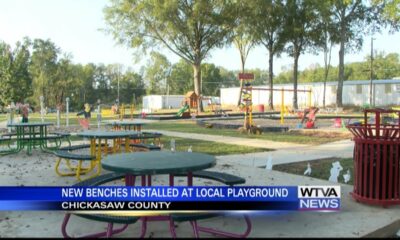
[(284, 152), (340, 149), (353, 220)]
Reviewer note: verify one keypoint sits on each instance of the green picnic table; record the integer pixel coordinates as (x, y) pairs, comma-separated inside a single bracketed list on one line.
[(126, 125), (157, 162), (30, 135)]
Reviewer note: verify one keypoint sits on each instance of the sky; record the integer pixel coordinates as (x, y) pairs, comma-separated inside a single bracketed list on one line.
[(74, 26)]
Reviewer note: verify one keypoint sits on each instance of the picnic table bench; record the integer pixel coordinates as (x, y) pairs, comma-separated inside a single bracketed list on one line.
[(110, 219), (33, 134), (225, 178), (74, 171), (221, 177)]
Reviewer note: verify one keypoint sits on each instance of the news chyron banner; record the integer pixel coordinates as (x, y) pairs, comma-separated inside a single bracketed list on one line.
[(172, 199)]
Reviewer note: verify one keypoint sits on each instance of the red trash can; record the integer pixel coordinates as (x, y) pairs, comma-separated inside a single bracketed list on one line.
[(261, 107), (376, 159)]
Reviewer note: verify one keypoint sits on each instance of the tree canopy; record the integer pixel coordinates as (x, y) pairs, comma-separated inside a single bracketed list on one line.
[(190, 29)]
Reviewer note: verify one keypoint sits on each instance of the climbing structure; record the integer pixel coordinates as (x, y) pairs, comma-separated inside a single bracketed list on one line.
[(246, 98)]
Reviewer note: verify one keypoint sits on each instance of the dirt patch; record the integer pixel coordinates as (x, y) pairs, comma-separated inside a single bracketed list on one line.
[(322, 133), (291, 123)]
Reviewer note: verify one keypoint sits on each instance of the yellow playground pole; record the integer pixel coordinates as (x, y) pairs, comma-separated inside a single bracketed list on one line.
[(132, 110), (282, 105), (122, 112), (309, 97)]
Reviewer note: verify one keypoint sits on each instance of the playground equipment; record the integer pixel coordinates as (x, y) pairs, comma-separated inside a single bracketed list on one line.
[(246, 99), (190, 102), (122, 112), (182, 110), (215, 106), (308, 116), (284, 110), (118, 112)]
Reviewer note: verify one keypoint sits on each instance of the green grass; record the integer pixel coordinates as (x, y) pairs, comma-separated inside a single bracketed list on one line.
[(192, 127), (213, 148), (3, 117), (320, 168), (52, 117)]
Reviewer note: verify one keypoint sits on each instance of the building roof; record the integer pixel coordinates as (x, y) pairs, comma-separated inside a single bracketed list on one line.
[(190, 94)]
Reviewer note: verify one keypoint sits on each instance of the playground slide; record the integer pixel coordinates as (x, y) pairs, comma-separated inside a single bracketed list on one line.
[(182, 110)]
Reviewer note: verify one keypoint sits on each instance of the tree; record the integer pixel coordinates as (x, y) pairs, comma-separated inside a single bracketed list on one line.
[(228, 78), (301, 33), (266, 23), (16, 82), (242, 38), (6, 94), (132, 87), (102, 77), (349, 18), (43, 68), (324, 9), (178, 82), (211, 79), (156, 73), (87, 82), (22, 80), (114, 73), (190, 29), (389, 12)]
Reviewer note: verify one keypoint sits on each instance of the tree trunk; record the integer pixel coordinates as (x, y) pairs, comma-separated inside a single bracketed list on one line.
[(339, 102), (326, 72), (243, 61), (324, 92), (197, 84), (295, 67), (271, 79)]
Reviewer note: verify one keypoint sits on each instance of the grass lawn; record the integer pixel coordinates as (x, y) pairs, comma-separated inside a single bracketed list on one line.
[(52, 117), (213, 148), (3, 117), (192, 127), (320, 168)]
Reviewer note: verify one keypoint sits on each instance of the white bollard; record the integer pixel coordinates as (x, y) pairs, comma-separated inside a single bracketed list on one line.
[(58, 118), (42, 110), (67, 112)]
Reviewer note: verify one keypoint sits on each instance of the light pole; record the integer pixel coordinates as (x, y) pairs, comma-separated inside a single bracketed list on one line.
[(371, 73)]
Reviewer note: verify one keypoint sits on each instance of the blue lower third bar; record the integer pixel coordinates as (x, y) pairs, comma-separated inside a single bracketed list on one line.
[(28, 205)]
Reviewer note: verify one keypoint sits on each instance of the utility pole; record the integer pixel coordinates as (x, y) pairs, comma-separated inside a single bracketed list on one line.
[(372, 73)]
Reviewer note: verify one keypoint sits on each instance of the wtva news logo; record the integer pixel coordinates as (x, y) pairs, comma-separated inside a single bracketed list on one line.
[(323, 198)]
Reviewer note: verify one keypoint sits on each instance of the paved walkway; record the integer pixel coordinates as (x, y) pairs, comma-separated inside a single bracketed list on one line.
[(3, 124), (353, 220), (258, 143), (340, 149), (284, 152)]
